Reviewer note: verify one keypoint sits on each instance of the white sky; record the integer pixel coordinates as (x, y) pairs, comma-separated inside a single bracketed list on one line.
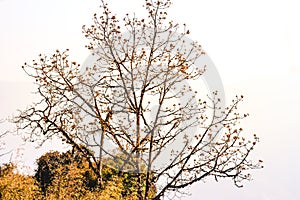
[(254, 44)]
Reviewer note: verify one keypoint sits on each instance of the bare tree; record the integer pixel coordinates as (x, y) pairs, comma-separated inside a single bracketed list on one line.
[(125, 106)]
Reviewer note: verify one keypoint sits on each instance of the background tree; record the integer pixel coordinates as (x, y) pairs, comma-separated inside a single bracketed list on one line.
[(53, 165), (3, 151), (2, 144), (68, 176), (64, 176), (105, 108)]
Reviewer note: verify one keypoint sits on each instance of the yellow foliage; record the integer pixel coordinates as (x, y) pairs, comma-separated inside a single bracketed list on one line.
[(67, 184), (15, 186)]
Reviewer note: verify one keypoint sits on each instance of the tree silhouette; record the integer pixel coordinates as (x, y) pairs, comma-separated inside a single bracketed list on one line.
[(124, 107)]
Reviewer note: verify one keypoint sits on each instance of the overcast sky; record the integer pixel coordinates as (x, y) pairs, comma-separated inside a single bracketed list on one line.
[(255, 46)]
